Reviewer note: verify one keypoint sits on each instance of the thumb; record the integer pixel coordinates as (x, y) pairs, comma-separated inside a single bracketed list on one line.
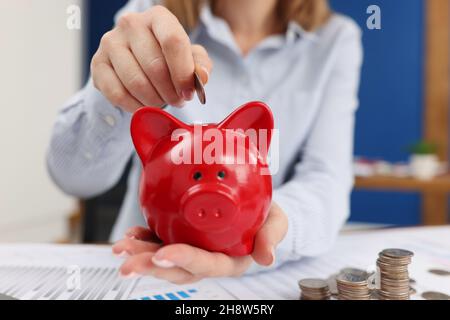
[(268, 237), (203, 64)]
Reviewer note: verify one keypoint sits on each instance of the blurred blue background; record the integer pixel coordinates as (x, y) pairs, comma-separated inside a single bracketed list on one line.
[(391, 100), (391, 95)]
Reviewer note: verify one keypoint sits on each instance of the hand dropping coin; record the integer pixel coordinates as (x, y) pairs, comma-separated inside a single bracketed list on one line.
[(199, 89)]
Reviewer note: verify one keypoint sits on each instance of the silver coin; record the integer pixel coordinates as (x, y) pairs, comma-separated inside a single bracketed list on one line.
[(352, 277), (397, 253), (313, 284), (6, 297), (433, 295), (439, 272), (199, 88), (355, 271)]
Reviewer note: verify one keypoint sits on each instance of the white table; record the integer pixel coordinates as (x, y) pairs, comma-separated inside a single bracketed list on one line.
[(41, 271)]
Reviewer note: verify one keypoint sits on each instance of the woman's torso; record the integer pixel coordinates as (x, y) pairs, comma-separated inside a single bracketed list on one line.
[(288, 72)]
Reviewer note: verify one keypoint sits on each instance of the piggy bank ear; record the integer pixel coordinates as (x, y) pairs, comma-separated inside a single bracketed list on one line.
[(148, 126), (254, 115)]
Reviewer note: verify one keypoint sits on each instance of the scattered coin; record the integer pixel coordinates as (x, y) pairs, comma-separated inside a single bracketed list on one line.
[(314, 289), (6, 297), (439, 272), (433, 295), (199, 88)]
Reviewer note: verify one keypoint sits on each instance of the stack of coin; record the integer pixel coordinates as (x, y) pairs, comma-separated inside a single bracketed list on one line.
[(314, 289), (394, 276), (352, 285)]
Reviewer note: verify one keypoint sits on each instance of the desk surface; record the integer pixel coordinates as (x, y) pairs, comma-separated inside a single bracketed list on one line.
[(99, 269)]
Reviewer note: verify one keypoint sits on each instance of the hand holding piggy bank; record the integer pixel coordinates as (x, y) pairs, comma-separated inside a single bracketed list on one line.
[(205, 185)]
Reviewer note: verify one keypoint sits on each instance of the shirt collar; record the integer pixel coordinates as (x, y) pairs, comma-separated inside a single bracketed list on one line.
[(296, 31), (219, 30)]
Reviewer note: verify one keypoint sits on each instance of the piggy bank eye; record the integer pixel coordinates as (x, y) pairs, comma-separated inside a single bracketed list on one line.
[(197, 176), (221, 174)]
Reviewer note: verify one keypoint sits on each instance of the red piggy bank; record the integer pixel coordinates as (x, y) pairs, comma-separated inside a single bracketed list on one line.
[(209, 185)]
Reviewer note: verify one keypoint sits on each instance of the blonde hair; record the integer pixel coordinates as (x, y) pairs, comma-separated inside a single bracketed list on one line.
[(310, 14)]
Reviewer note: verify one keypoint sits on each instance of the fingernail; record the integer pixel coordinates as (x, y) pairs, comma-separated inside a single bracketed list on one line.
[(163, 263), (207, 73), (180, 104), (131, 236), (122, 254), (187, 94), (272, 256), (129, 275)]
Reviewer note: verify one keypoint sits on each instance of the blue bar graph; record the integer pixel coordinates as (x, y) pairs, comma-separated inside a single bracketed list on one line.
[(172, 296), (183, 294), (179, 295)]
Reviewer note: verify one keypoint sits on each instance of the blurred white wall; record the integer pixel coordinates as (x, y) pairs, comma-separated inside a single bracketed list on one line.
[(40, 67)]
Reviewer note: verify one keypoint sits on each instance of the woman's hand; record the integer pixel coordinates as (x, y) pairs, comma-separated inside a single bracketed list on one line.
[(148, 60), (181, 263)]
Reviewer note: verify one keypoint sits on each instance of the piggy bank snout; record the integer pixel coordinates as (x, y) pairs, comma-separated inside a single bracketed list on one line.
[(210, 208)]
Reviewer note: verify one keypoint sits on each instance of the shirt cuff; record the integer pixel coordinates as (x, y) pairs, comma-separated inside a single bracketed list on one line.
[(288, 249), (101, 112), (106, 122)]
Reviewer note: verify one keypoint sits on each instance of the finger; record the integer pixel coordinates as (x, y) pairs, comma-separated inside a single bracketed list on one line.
[(142, 264), (203, 64), (152, 61), (132, 247), (107, 82), (200, 262), (133, 77), (271, 233), (141, 233), (176, 47)]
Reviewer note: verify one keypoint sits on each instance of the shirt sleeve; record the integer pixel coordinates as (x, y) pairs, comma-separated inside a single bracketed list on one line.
[(90, 143), (316, 199)]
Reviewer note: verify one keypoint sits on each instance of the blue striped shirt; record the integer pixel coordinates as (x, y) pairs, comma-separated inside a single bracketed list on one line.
[(309, 79)]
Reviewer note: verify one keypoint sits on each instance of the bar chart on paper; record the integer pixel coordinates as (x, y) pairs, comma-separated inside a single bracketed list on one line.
[(151, 289), (179, 295), (48, 272), (55, 283), (97, 283)]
